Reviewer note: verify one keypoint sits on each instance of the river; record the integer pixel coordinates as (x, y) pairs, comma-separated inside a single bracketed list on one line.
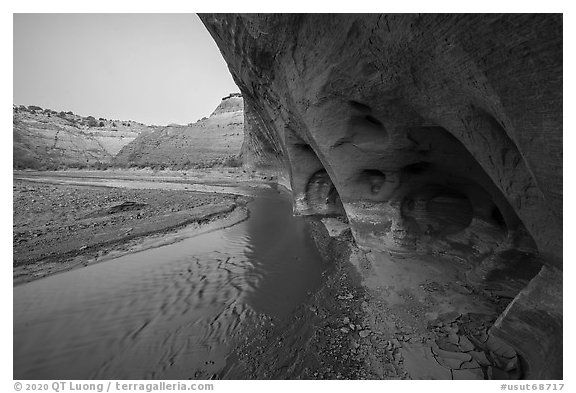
[(172, 312)]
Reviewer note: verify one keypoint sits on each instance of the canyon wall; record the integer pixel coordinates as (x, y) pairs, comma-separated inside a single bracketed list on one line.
[(46, 139), (213, 140), (428, 133)]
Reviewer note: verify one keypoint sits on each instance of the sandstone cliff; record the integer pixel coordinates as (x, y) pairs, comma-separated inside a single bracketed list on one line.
[(46, 139), (210, 141), (428, 133)]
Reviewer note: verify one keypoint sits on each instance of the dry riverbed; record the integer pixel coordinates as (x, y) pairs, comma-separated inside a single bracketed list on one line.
[(57, 227)]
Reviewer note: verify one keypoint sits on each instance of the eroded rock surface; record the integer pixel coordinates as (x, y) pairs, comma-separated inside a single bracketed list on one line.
[(46, 139), (434, 134), (213, 140)]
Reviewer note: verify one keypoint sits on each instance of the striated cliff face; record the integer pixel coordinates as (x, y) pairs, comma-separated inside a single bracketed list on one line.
[(428, 133), (46, 139), (210, 141)]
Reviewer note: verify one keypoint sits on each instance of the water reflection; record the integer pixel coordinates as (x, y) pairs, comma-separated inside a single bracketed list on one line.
[(169, 312)]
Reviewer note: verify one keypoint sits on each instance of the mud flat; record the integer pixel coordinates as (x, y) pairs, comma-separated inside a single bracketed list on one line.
[(68, 219)]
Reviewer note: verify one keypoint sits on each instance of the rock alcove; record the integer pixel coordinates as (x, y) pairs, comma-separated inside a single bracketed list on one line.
[(429, 134)]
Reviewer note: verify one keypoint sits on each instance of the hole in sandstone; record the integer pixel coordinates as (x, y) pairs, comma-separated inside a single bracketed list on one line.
[(310, 179), (374, 178), (322, 196)]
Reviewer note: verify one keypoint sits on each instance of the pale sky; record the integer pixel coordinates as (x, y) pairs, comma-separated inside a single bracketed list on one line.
[(152, 68)]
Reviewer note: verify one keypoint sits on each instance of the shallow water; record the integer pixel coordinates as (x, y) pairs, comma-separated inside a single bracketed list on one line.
[(169, 312)]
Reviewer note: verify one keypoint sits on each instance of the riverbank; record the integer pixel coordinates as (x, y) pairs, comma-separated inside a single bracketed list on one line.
[(380, 316), (327, 337), (374, 315), (173, 311), (68, 219)]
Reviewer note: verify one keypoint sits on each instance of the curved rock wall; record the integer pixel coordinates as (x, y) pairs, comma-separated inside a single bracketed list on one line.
[(429, 132)]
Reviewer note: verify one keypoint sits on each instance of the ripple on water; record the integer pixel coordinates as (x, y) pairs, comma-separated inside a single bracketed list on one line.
[(169, 312)]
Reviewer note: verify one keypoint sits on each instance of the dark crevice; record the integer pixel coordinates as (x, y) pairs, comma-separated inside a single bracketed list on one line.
[(417, 168), (304, 147), (497, 217), (360, 107), (374, 121)]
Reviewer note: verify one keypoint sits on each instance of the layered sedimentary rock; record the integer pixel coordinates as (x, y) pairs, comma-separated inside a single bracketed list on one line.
[(46, 139), (210, 141), (428, 133)]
